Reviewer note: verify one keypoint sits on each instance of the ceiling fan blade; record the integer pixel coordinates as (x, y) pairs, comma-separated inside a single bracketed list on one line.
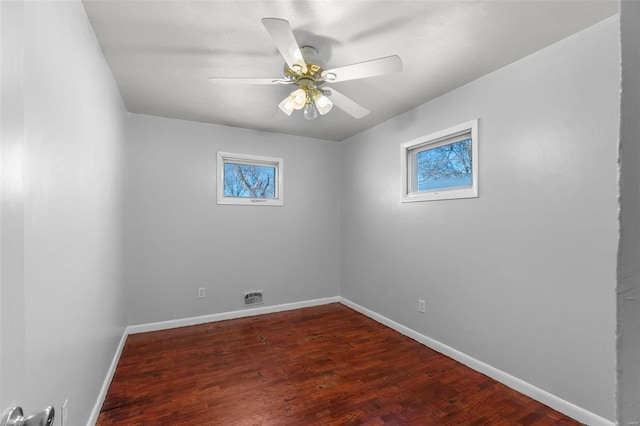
[(282, 35), (346, 104), (372, 68), (239, 80)]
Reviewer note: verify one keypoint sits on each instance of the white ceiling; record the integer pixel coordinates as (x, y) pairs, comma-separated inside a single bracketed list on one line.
[(162, 52)]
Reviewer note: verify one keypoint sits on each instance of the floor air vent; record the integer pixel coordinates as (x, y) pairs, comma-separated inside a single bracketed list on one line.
[(253, 298)]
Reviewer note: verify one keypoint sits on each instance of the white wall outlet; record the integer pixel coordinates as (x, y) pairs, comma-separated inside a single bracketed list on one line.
[(422, 306), (63, 413), (201, 293), (634, 423)]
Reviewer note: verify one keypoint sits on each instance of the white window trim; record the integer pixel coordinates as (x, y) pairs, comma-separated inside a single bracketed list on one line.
[(258, 160), (432, 141)]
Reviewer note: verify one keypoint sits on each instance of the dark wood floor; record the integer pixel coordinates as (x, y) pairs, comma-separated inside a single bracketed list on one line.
[(325, 365)]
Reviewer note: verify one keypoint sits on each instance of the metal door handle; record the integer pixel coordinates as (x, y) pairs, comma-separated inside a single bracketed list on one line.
[(15, 417)]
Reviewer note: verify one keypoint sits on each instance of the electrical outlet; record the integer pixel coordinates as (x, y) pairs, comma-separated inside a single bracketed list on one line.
[(632, 423), (422, 306), (63, 413), (201, 293)]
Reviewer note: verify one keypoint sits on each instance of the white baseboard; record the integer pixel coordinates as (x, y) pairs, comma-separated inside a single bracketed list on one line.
[(107, 381), (521, 386), (165, 325)]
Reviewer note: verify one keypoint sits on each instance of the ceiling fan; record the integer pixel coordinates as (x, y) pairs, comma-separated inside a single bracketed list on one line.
[(305, 70)]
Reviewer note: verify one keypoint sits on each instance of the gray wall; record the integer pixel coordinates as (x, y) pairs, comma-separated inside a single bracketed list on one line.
[(522, 278), (629, 244), (62, 138), (179, 239)]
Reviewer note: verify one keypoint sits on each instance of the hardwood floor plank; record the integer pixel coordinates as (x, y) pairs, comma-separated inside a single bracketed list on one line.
[(325, 365)]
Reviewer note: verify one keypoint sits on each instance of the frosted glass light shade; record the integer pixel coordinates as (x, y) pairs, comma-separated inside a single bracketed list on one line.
[(298, 98), (286, 105), (323, 103)]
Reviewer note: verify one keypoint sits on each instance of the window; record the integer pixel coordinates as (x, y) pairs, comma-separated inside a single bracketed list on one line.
[(441, 166), (249, 179)]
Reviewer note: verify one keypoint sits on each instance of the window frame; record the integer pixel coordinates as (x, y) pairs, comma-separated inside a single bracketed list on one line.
[(252, 160), (435, 140)]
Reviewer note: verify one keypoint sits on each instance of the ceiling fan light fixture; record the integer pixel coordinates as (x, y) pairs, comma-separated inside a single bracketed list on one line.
[(298, 98), (310, 111), (323, 103), (286, 106)]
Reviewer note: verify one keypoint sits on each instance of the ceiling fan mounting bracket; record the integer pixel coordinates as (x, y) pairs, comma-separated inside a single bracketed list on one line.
[(310, 55)]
